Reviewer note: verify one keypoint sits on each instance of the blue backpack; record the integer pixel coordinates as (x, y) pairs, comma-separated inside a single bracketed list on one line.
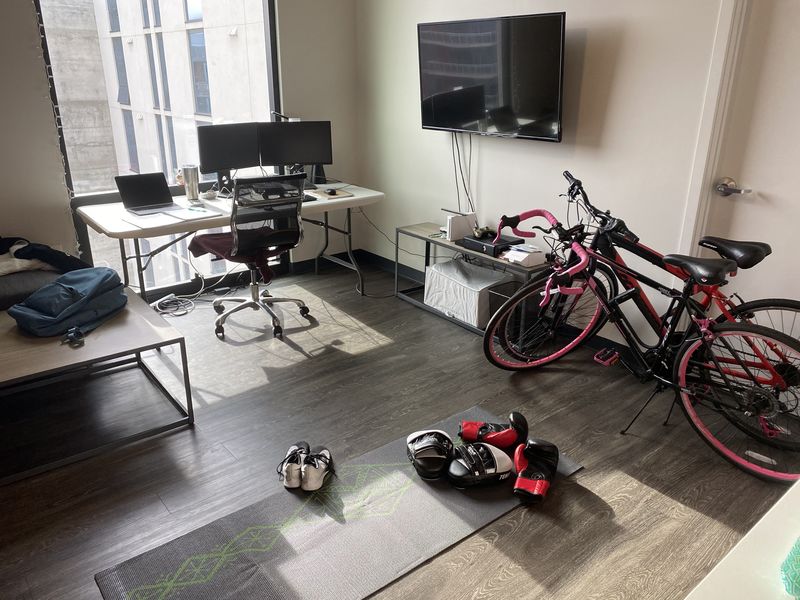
[(80, 299)]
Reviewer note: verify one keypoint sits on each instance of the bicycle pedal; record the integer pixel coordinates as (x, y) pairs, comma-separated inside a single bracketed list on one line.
[(606, 357)]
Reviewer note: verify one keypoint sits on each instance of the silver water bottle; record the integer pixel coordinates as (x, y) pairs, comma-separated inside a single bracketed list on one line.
[(191, 182)]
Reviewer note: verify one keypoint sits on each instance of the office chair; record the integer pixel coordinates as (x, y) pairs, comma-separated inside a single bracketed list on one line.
[(265, 222)]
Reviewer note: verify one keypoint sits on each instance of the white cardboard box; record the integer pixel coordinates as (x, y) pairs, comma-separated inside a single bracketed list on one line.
[(461, 290)]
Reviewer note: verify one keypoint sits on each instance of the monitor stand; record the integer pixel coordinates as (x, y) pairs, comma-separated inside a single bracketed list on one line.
[(296, 169), (317, 176), (224, 185)]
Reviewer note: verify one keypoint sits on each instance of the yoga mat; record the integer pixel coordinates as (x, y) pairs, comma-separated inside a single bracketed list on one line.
[(371, 524)]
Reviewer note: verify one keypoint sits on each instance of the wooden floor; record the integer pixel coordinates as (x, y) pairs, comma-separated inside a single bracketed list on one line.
[(649, 516)]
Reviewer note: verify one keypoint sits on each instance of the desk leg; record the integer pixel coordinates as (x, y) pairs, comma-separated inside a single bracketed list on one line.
[(124, 257), (325, 247), (187, 386), (139, 269), (349, 227), (396, 261)]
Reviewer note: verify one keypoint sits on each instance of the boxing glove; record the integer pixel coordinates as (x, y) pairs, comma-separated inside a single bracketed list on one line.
[(430, 451), (478, 464), (501, 435), (535, 463)]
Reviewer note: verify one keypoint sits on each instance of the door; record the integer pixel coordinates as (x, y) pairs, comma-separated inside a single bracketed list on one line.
[(761, 150)]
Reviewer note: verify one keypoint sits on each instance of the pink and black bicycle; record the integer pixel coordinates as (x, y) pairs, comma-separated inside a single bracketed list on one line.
[(736, 379)]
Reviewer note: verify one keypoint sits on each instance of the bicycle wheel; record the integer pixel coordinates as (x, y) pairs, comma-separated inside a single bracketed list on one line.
[(741, 393), (521, 336), (780, 314)]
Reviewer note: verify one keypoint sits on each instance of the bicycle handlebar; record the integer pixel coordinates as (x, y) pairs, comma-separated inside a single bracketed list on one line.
[(571, 272), (514, 222)]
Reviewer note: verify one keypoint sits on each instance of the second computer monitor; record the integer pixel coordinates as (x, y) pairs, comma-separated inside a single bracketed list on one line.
[(227, 147), (295, 143)]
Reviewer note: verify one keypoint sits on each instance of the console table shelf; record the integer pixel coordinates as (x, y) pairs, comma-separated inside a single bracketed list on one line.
[(432, 236)]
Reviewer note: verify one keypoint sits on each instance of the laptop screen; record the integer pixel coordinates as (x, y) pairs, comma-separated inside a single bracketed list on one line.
[(146, 189)]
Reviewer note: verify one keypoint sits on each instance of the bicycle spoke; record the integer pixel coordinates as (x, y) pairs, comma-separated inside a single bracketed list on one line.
[(743, 397)]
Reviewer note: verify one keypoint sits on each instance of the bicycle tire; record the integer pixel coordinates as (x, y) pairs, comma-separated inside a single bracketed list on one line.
[(751, 425), (509, 341), (780, 314)]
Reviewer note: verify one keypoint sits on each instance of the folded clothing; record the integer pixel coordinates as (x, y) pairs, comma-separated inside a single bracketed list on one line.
[(9, 263)]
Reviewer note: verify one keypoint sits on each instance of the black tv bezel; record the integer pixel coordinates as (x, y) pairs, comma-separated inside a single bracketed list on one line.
[(557, 139)]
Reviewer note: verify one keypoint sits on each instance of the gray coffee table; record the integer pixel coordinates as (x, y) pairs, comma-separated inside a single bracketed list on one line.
[(28, 362)]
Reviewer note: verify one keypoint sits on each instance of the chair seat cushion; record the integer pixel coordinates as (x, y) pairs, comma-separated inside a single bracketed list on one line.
[(221, 245)]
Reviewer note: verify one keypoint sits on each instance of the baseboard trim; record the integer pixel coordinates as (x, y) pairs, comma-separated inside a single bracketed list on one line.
[(365, 257)]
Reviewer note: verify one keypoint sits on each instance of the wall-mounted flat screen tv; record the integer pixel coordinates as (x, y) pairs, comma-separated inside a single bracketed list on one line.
[(501, 76)]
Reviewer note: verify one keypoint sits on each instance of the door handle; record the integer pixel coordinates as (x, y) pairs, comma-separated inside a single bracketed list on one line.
[(727, 186)]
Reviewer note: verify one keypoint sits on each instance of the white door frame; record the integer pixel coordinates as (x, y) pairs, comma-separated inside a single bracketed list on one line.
[(721, 74)]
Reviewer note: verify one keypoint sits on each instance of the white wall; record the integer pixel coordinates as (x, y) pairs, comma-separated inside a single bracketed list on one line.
[(318, 74), (635, 78), (34, 201)]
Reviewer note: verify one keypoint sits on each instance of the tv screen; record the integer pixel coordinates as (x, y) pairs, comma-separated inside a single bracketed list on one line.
[(499, 76)]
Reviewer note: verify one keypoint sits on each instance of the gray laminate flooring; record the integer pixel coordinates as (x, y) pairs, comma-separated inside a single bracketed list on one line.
[(649, 516)]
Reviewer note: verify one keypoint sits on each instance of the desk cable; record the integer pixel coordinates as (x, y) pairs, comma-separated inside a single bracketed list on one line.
[(388, 239)]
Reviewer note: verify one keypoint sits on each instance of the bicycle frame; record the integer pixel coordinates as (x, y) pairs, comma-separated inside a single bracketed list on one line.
[(606, 243)]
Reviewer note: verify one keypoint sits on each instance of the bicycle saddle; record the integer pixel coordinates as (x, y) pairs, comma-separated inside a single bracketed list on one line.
[(708, 271), (746, 254)]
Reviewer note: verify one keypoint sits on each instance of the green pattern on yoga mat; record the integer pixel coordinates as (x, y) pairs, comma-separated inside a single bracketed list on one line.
[(376, 490)]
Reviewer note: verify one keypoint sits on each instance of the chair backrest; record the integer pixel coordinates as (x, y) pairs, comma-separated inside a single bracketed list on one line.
[(266, 213)]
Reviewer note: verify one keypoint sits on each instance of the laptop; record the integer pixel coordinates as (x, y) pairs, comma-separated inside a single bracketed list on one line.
[(145, 194)]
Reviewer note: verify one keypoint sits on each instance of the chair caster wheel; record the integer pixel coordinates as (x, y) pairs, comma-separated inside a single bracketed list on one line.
[(219, 330), (304, 312), (277, 331), (219, 309)]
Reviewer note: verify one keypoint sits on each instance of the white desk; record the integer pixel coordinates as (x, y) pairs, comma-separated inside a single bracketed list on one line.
[(751, 570), (108, 220)]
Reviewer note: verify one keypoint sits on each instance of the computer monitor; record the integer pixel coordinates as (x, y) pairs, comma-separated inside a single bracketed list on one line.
[(226, 147), (295, 143)]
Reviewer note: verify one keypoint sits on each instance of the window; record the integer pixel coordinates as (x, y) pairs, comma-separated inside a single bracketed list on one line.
[(130, 136), (194, 10), (197, 55), (145, 15), (156, 14), (152, 63), (162, 63), (142, 110), (113, 15), (123, 93), (161, 153)]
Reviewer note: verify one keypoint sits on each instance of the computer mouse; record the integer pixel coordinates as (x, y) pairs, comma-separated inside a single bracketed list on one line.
[(331, 191)]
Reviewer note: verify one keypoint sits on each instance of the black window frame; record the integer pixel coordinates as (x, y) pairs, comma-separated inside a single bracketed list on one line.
[(112, 196)]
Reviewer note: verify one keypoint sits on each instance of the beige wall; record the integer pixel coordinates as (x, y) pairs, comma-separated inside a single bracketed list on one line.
[(33, 196), (635, 79), (317, 56)]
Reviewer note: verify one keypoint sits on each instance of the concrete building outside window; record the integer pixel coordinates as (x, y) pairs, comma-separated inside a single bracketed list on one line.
[(135, 78)]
